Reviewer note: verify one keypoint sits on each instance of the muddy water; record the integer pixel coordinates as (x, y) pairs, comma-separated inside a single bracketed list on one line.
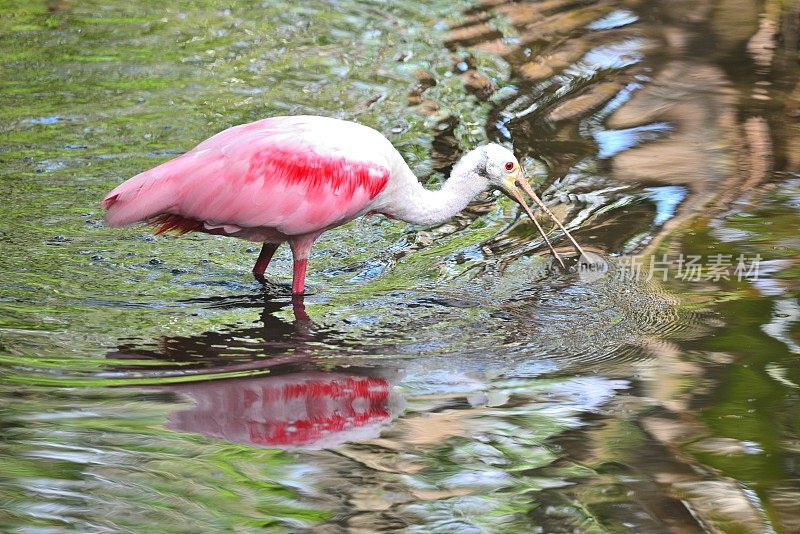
[(447, 378)]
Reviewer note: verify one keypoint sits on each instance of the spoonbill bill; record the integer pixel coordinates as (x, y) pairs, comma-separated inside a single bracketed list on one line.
[(288, 179)]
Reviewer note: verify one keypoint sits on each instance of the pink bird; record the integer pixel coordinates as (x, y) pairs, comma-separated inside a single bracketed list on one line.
[(288, 179)]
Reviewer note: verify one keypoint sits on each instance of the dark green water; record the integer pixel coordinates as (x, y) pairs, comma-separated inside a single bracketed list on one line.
[(446, 380)]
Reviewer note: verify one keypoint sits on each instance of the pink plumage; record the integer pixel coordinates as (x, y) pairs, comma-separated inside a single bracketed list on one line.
[(288, 179), (275, 180)]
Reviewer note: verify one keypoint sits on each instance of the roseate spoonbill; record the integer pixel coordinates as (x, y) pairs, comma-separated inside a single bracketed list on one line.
[(288, 179)]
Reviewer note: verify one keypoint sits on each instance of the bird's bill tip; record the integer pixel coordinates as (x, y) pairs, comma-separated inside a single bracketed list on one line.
[(513, 186)]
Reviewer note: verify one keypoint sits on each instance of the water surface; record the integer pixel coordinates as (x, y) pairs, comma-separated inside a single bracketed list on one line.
[(446, 379)]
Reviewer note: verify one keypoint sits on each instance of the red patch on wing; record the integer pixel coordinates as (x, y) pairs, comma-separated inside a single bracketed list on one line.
[(301, 165)]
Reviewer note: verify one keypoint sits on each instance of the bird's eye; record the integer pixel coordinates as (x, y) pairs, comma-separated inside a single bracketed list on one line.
[(509, 165)]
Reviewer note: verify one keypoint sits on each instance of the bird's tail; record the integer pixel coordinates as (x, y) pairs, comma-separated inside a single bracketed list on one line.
[(146, 196)]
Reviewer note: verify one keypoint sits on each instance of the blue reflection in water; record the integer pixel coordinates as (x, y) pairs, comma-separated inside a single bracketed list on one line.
[(612, 142), (667, 199), (615, 19), (615, 55)]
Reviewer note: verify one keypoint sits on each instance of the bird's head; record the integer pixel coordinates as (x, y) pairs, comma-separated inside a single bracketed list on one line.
[(504, 173)]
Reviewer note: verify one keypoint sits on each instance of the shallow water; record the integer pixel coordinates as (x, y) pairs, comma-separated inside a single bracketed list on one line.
[(447, 378)]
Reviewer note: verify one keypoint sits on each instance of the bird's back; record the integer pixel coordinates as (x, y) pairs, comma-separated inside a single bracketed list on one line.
[(295, 175)]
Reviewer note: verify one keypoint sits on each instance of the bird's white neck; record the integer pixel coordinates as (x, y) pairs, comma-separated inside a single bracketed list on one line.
[(409, 201)]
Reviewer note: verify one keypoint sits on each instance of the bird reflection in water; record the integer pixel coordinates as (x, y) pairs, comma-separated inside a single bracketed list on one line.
[(311, 410), (296, 405)]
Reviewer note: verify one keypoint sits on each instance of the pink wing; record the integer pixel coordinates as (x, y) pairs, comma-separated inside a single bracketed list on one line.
[(297, 175)]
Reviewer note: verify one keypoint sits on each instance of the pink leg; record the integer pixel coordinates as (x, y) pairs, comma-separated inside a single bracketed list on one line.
[(299, 277), (267, 251), (301, 249)]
